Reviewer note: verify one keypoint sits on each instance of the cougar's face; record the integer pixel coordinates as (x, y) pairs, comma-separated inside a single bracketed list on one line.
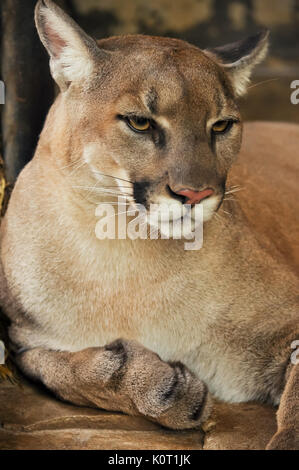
[(157, 114), (168, 126)]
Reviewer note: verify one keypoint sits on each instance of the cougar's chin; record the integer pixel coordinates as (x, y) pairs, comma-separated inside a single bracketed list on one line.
[(179, 221)]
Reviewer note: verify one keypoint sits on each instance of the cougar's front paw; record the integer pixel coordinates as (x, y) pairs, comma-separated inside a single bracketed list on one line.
[(127, 377), (167, 392), (181, 400)]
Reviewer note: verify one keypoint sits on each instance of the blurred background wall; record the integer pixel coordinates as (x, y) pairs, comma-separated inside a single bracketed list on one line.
[(209, 23), (205, 23)]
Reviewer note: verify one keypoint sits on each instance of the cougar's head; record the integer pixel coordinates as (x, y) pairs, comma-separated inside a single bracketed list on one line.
[(158, 114)]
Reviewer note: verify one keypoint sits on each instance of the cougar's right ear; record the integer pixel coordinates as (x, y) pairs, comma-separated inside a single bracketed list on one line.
[(73, 54), (239, 58)]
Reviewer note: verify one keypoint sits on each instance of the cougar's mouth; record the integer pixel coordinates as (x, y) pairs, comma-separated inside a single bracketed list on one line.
[(169, 210)]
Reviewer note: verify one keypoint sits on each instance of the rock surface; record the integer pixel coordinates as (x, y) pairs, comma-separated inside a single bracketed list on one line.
[(30, 418)]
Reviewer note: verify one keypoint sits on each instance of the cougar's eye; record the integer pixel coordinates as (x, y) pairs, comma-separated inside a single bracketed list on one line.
[(221, 126), (139, 124)]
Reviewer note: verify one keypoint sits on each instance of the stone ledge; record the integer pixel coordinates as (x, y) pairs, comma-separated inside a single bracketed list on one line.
[(33, 419)]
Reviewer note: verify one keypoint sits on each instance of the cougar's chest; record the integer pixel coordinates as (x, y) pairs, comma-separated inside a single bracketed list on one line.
[(154, 301)]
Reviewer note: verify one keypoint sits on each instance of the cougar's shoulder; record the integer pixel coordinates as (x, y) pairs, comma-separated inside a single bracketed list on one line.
[(267, 172)]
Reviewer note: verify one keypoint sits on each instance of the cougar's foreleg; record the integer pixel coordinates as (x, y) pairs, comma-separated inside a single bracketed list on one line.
[(122, 376), (287, 435)]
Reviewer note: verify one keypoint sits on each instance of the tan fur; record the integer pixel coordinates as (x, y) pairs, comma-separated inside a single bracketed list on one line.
[(287, 436), (229, 311)]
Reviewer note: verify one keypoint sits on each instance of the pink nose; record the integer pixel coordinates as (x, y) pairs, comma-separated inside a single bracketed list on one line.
[(194, 197)]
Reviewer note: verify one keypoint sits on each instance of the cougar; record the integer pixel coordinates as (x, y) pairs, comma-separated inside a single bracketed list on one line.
[(145, 326)]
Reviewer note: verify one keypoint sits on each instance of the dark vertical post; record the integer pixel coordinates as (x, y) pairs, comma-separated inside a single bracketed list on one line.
[(29, 87)]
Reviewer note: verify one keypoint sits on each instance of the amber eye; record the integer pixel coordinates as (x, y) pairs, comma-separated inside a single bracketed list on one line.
[(221, 126), (139, 124)]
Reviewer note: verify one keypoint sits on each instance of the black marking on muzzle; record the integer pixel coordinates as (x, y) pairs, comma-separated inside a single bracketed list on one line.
[(140, 191), (223, 186)]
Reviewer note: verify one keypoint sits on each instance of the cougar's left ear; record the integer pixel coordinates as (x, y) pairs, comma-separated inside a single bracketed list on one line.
[(239, 58), (73, 54)]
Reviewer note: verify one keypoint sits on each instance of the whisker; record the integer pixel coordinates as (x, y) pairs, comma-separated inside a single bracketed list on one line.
[(120, 213), (233, 186), (77, 168), (218, 216), (117, 187), (110, 176), (101, 190), (71, 164), (110, 191), (227, 213), (265, 81), (234, 191), (113, 203)]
